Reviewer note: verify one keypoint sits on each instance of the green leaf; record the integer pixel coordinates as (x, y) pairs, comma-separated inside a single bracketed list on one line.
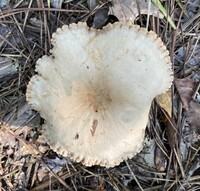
[(48, 3), (181, 6), (158, 4)]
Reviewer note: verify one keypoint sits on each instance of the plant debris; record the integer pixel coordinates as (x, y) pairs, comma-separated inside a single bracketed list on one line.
[(185, 88), (128, 10), (170, 159), (193, 116)]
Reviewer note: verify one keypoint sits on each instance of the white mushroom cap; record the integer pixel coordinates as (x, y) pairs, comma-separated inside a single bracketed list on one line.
[(96, 89)]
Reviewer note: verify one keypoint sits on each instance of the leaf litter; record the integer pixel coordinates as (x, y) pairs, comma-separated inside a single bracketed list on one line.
[(185, 88), (193, 116), (170, 159), (129, 10)]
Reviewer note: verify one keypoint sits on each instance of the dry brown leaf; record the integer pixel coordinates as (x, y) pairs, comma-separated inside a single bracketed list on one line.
[(160, 160), (41, 144), (7, 139), (193, 116), (127, 10), (185, 88), (41, 174), (171, 132), (165, 101)]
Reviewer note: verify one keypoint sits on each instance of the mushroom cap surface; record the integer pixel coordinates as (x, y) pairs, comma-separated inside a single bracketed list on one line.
[(96, 89)]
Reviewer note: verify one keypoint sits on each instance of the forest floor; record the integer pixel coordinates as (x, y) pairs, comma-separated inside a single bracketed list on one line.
[(170, 159)]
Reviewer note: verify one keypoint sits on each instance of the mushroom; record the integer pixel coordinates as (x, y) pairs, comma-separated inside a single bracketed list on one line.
[(96, 89)]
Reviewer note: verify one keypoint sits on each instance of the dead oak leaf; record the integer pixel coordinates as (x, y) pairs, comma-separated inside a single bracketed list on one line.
[(185, 88), (128, 10), (193, 116)]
